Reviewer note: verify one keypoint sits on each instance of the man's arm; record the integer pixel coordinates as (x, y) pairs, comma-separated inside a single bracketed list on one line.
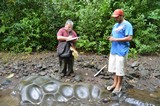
[(62, 38), (125, 39)]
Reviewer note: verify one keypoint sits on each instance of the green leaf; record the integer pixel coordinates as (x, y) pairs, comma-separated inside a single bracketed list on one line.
[(2, 29)]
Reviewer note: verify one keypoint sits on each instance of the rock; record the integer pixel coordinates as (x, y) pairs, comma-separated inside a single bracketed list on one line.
[(6, 82), (153, 95), (76, 69), (51, 65), (88, 79), (156, 74), (13, 71), (72, 75), (92, 79), (10, 76), (5, 72), (86, 74), (78, 78), (48, 71), (25, 74), (67, 80), (17, 76), (44, 67), (141, 67), (52, 75), (105, 77), (135, 68), (144, 73), (88, 64), (33, 74), (135, 64), (15, 67), (133, 75), (42, 73), (39, 66), (105, 100), (56, 70)]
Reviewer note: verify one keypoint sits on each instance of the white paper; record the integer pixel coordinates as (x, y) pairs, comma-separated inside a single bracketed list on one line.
[(73, 38)]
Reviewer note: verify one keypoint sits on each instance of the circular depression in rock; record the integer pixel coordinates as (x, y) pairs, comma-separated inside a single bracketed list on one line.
[(82, 91), (32, 93), (48, 100), (66, 90), (51, 87), (60, 98), (95, 92)]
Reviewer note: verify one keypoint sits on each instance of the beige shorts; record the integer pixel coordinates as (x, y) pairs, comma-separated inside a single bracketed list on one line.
[(117, 64)]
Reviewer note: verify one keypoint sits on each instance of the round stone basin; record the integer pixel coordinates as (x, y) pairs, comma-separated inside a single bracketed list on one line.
[(51, 87), (66, 90), (95, 92), (48, 100), (82, 91), (60, 98), (32, 93)]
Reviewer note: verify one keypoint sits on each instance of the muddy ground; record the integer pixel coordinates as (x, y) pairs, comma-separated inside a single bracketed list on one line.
[(142, 79)]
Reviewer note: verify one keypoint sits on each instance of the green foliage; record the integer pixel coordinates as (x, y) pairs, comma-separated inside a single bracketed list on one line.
[(133, 53), (92, 25), (28, 27), (31, 25)]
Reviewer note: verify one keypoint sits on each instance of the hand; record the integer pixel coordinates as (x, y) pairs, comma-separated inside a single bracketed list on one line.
[(108, 37), (112, 39), (68, 38)]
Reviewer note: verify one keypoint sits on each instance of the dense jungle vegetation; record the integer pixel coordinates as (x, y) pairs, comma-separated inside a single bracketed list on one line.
[(31, 25)]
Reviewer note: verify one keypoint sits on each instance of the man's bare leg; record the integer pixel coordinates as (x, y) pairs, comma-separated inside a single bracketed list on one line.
[(119, 82), (115, 80)]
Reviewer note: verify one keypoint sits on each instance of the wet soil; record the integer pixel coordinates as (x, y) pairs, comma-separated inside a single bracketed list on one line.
[(142, 79)]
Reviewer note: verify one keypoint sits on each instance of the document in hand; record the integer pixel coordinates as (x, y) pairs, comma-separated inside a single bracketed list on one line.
[(73, 38)]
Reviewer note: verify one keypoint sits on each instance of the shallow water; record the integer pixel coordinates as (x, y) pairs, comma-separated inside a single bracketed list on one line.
[(7, 100), (134, 98), (145, 96)]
